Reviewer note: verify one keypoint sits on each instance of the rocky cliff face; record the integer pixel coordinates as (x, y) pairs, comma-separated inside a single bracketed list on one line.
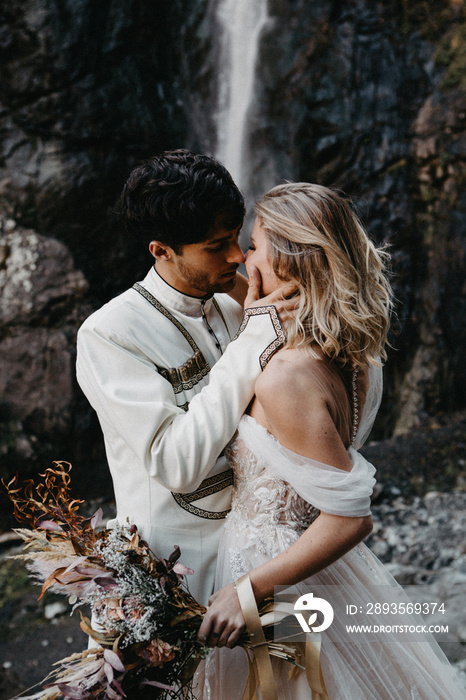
[(87, 90), (368, 96), (371, 97)]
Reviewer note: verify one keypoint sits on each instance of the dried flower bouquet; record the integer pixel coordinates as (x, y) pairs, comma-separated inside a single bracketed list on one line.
[(147, 621)]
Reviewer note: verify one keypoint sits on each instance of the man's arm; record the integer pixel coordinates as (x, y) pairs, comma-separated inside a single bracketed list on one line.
[(177, 448)]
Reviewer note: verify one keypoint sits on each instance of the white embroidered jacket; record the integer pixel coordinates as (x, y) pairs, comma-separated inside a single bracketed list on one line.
[(142, 359)]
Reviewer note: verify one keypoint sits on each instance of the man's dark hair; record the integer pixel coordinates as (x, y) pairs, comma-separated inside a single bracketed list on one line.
[(179, 198)]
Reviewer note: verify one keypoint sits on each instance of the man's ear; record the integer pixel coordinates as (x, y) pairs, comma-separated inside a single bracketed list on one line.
[(160, 251)]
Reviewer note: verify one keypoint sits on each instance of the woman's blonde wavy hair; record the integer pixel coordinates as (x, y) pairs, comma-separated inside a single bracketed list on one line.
[(345, 299)]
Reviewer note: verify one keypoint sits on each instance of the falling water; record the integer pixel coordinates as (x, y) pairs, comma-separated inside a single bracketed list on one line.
[(241, 22)]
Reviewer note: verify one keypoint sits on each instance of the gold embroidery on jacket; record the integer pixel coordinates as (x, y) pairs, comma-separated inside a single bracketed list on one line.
[(275, 344), (208, 487), (186, 375), (193, 370)]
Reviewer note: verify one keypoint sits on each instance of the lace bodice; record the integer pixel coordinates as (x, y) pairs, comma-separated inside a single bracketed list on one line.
[(278, 494), (267, 511)]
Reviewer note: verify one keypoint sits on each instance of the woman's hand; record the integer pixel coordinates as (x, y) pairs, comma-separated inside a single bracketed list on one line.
[(281, 298), (240, 290), (223, 623)]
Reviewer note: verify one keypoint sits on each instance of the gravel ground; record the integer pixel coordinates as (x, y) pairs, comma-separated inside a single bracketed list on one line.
[(422, 542)]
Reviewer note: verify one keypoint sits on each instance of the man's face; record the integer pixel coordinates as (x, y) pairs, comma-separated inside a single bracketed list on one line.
[(207, 267)]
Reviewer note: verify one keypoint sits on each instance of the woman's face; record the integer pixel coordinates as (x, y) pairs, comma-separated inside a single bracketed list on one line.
[(258, 256)]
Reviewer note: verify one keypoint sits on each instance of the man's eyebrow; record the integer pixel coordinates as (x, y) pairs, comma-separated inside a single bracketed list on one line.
[(213, 241)]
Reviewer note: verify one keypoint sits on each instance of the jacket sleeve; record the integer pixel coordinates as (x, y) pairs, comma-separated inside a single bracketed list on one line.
[(177, 448)]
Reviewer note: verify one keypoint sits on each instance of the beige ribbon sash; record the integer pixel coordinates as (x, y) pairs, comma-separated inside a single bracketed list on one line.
[(314, 675), (260, 667), (259, 644)]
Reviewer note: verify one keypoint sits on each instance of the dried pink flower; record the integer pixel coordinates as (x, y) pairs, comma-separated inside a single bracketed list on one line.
[(158, 652), (111, 608)]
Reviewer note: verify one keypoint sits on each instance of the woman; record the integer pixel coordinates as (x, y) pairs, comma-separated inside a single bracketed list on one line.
[(302, 492)]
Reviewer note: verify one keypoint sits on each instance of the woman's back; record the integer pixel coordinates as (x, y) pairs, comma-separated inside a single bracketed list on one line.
[(309, 404)]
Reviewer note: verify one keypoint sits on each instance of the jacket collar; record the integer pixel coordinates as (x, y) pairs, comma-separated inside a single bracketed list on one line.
[(172, 298)]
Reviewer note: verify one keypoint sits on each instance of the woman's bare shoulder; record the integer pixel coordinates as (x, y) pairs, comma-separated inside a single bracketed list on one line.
[(293, 406), (289, 376)]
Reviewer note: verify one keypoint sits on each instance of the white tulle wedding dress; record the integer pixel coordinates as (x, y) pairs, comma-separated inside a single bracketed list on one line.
[(277, 495)]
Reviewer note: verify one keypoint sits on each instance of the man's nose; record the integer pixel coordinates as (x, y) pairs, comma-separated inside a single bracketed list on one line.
[(235, 254)]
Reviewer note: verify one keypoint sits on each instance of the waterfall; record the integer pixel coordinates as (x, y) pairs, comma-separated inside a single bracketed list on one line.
[(241, 24)]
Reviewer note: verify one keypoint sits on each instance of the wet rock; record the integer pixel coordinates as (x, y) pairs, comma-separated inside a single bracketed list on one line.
[(42, 301), (37, 279), (346, 98), (53, 610)]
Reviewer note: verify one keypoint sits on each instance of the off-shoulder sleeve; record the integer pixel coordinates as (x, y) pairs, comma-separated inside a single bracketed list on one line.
[(332, 490)]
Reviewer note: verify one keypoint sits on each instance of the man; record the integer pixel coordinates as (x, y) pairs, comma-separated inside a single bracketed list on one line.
[(148, 354)]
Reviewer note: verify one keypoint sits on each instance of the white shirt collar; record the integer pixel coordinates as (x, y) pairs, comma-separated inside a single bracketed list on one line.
[(172, 298)]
